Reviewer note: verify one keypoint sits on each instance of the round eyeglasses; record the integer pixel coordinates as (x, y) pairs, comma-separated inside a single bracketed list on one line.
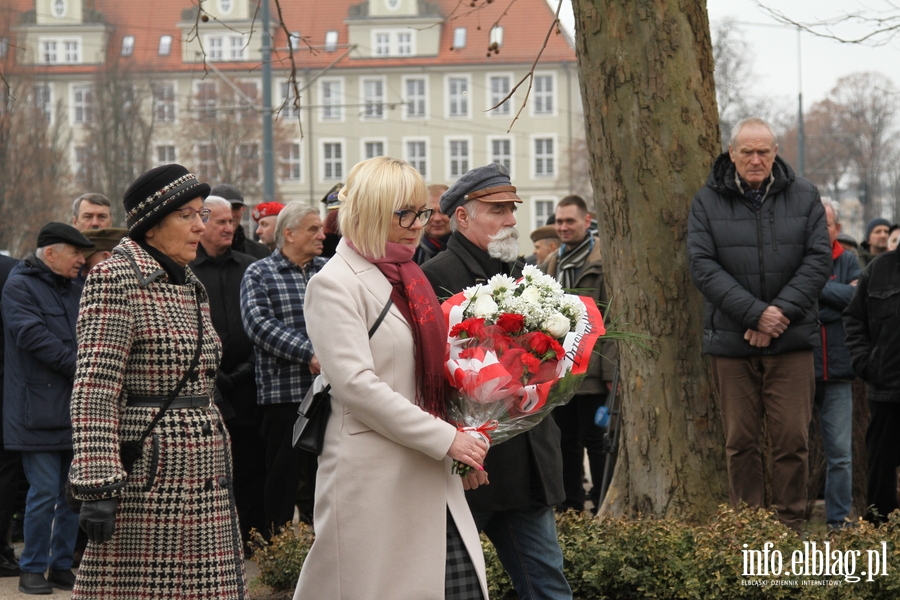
[(408, 217), (187, 213)]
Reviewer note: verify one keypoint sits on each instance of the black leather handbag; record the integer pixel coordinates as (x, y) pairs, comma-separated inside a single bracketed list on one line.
[(315, 408)]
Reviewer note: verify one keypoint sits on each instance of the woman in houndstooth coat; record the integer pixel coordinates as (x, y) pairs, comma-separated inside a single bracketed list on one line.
[(168, 528)]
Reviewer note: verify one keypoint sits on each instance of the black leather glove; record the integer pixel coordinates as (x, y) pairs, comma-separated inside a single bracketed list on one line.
[(98, 519)]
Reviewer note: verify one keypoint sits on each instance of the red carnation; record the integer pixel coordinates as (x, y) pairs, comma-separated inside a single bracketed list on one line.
[(471, 327), (543, 345), (511, 322)]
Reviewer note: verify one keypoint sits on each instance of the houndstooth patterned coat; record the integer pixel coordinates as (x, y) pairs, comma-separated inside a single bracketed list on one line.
[(176, 530)]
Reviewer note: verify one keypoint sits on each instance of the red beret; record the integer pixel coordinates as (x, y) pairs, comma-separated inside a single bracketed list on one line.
[(266, 209)]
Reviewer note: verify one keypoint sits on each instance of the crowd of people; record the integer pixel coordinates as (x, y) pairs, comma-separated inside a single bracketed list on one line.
[(152, 376)]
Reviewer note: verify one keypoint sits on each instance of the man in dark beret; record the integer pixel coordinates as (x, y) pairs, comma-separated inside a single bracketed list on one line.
[(40, 306), (515, 509), (104, 241)]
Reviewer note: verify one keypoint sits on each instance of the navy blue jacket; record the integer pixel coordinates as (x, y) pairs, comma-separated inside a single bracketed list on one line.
[(833, 358), (39, 313), (743, 259)]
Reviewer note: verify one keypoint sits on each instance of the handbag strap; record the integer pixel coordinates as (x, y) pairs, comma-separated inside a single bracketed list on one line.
[(384, 312), (195, 361)]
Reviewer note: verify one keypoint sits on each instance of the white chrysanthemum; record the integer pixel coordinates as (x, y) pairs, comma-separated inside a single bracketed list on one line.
[(574, 305), (557, 325), (501, 284)]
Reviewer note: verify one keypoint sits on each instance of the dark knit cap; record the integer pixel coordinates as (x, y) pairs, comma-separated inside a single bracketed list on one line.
[(229, 192), (875, 223), (156, 194), (60, 233)]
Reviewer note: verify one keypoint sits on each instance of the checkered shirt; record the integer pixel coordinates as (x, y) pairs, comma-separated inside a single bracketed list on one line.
[(272, 294)]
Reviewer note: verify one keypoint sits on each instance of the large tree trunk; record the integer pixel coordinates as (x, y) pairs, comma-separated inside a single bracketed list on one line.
[(652, 130)]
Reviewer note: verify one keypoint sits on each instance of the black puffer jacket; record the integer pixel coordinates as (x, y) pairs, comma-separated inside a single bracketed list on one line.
[(872, 324), (743, 259)]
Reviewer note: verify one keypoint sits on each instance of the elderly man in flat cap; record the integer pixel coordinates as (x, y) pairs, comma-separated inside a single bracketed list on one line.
[(516, 509), (40, 306)]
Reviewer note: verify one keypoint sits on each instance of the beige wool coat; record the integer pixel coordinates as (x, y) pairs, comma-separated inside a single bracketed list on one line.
[(384, 483)]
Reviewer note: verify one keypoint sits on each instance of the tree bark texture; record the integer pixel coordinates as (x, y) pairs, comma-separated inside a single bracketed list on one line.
[(652, 130)]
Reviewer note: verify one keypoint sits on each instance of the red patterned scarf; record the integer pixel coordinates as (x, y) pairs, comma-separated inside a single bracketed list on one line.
[(414, 297)]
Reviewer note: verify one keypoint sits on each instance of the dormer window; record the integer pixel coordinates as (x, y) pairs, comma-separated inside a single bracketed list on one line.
[(459, 38), (295, 40), (331, 40), (497, 36), (59, 8), (128, 45), (165, 45)]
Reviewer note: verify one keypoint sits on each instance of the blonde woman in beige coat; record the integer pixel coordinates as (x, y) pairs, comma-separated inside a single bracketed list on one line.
[(391, 519)]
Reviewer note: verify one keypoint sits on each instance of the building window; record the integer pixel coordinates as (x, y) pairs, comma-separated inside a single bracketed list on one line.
[(373, 99), (248, 161), (247, 100), (543, 95), (500, 86), (166, 155), (289, 108), (542, 211), (128, 45), (164, 102), (225, 6), (4, 47), (207, 166), (372, 149), (331, 40), (458, 96), (382, 44), (72, 52), (404, 44), (459, 157), (459, 38), (82, 104), (59, 8), (332, 160), (496, 36), (43, 102), (415, 98), (214, 48), (48, 54), (291, 162), (165, 45), (207, 99), (238, 47), (294, 40), (332, 98), (501, 152), (543, 157), (417, 157)]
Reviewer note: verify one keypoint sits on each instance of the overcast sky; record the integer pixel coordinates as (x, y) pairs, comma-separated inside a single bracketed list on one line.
[(774, 47)]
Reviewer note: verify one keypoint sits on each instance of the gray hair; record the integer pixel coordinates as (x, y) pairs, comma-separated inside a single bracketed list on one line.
[(290, 217), (41, 252), (750, 121), (834, 208), (92, 198), (470, 209), (216, 201)]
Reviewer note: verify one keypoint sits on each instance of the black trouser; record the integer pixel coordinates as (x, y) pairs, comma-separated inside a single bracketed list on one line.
[(287, 468), (249, 465), (884, 457), (11, 476), (577, 433)]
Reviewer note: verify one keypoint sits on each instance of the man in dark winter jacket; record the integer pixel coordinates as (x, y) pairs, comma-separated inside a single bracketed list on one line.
[(515, 509), (221, 270), (240, 242), (872, 326), (40, 307), (876, 241), (834, 374), (759, 253)]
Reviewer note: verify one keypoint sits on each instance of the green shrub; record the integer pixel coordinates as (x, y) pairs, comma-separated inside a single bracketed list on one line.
[(632, 559)]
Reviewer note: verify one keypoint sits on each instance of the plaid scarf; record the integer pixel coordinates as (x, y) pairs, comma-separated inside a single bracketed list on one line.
[(571, 261)]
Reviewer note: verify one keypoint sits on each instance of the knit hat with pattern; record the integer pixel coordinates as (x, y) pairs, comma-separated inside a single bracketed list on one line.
[(157, 193)]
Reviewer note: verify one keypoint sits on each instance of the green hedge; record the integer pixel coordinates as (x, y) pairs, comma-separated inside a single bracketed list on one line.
[(626, 559)]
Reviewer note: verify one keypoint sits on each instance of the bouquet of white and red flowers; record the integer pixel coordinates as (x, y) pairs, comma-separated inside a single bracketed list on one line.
[(516, 350)]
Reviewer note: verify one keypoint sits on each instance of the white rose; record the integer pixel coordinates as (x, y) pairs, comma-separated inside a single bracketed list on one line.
[(556, 325), (531, 295), (484, 307)]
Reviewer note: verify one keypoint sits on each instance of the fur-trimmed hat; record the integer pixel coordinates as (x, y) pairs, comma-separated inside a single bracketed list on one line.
[(157, 193)]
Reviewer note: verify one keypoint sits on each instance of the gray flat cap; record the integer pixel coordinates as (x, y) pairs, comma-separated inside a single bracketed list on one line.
[(478, 184)]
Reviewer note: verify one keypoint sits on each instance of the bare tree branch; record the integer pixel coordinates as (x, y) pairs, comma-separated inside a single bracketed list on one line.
[(882, 26)]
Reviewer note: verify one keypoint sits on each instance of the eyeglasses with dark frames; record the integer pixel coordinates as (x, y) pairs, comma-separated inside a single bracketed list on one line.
[(187, 214), (408, 217)]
